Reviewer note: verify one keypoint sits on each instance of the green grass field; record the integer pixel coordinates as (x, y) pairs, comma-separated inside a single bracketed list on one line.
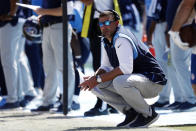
[(184, 127)]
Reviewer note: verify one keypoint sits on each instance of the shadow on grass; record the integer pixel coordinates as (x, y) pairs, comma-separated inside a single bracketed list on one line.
[(64, 117), (95, 128), (115, 128), (18, 115), (183, 125)]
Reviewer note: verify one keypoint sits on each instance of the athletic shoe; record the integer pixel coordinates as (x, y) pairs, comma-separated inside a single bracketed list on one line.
[(174, 106), (112, 110), (186, 106), (2, 102), (160, 105), (43, 108), (27, 99), (143, 122), (75, 106), (10, 106), (130, 116), (59, 109), (96, 112)]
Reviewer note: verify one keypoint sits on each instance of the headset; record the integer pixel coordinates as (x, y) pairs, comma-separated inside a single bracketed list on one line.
[(115, 14)]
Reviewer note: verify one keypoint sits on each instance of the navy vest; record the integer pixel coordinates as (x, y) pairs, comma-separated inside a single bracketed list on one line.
[(49, 4), (144, 63)]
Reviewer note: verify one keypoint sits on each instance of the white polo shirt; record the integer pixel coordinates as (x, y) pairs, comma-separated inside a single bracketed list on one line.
[(124, 53)]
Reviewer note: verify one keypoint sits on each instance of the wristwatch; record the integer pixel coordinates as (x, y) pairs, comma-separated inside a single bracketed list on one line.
[(98, 78)]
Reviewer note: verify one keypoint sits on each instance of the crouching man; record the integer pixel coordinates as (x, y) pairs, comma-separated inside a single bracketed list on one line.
[(128, 74)]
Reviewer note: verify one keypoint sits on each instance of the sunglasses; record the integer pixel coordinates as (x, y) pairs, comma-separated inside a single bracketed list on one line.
[(106, 23)]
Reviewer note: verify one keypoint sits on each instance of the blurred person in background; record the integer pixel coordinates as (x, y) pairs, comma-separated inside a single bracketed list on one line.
[(181, 60), (80, 49), (128, 73), (50, 15), (18, 79), (91, 30), (157, 38), (182, 16)]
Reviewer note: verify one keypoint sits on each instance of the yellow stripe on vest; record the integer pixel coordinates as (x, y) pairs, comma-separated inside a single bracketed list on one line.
[(86, 22), (116, 7)]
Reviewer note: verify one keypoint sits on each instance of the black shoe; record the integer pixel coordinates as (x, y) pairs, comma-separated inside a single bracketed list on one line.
[(186, 106), (130, 116), (158, 104), (143, 122), (174, 106), (75, 106), (112, 110), (10, 106), (96, 112), (43, 108), (26, 100)]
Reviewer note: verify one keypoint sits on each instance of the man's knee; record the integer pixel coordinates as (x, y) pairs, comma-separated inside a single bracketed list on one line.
[(98, 92), (100, 88), (118, 82), (104, 84)]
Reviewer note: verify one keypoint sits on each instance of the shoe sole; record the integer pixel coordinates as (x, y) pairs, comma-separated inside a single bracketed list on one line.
[(90, 115), (127, 125)]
